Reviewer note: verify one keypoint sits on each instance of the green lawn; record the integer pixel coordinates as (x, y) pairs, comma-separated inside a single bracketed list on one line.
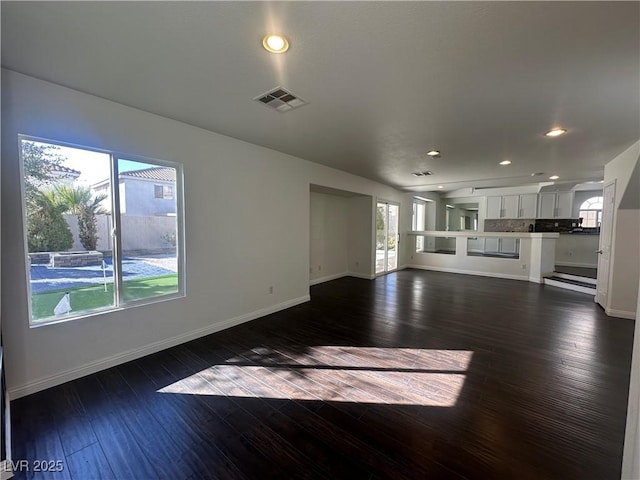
[(91, 298)]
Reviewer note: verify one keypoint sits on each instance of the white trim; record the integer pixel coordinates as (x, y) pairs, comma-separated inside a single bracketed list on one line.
[(6, 470), (591, 281), (328, 278), (620, 313), (506, 276), (570, 286), (104, 363), (361, 275), (572, 264)]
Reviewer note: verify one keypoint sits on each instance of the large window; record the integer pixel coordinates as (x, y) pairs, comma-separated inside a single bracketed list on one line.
[(97, 234), (591, 212)]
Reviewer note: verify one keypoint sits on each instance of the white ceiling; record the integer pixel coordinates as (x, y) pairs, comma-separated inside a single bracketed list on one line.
[(386, 82)]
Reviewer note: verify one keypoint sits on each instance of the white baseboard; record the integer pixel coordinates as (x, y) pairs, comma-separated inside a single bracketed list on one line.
[(104, 363), (471, 272), (328, 278), (6, 470), (571, 264), (361, 275), (620, 313)]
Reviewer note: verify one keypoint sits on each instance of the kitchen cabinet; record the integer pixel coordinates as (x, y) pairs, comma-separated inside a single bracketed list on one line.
[(555, 205), (512, 206), (528, 204), (494, 207), (501, 245), (564, 204)]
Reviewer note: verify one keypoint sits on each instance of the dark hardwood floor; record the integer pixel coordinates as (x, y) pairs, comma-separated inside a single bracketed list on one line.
[(414, 375)]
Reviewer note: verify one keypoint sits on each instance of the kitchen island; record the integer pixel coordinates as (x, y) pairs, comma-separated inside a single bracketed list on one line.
[(525, 256)]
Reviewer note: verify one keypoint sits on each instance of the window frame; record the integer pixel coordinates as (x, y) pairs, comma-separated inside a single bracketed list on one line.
[(119, 303)]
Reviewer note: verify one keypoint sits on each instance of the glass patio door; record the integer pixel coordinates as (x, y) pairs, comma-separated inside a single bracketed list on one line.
[(386, 237)]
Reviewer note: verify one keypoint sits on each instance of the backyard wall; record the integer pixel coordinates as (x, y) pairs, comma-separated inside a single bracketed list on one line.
[(139, 233), (104, 232), (247, 229)]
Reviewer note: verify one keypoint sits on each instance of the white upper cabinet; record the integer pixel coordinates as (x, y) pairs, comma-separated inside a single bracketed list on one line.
[(494, 207), (528, 204), (564, 204), (555, 205), (510, 206), (546, 205)]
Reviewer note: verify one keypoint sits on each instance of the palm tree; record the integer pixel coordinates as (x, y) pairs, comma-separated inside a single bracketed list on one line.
[(77, 198), (80, 200)]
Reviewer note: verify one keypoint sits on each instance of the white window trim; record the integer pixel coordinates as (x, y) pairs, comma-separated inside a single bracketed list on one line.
[(119, 302)]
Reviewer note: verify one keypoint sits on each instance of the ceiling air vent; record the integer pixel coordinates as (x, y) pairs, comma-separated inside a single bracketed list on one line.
[(280, 99), (422, 174)]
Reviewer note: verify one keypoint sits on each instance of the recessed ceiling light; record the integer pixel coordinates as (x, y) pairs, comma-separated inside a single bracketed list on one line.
[(440, 186), (537, 174), (554, 177), (556, 132), (275, 43), (505, 162), (434, 153)]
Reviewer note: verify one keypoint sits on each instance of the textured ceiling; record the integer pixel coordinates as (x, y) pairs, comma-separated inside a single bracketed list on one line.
[(385, 82)]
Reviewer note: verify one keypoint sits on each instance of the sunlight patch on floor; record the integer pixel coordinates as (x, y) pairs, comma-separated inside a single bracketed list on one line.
[(330, 373)]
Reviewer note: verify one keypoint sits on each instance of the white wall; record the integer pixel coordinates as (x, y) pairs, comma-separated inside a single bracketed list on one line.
[(577, 250), (361, 236), (624, 272), (247, 228), (631, 454), (328, 237)]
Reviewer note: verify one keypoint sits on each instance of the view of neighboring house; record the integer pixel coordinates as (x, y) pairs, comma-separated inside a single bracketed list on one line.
[(64, 175), (149, 191)]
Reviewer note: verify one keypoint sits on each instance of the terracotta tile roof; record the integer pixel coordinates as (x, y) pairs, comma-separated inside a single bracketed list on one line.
[(66, 170), (166, 174)]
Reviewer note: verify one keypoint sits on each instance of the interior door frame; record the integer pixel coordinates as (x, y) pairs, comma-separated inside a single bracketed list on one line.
[(386, 237), (602, 298)]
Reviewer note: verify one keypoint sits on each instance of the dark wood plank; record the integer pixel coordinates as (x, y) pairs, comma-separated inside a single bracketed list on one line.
[(89, 463), (413, 375)]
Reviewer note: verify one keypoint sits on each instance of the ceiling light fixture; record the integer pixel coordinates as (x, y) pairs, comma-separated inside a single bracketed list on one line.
[(434, 153), (440, 186), (505, 162), (275, 43), (556, 132), (554, 177)]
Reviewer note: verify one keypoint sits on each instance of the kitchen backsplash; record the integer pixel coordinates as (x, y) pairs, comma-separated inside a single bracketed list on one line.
[(508, 225), (562, 225), (556, 224)]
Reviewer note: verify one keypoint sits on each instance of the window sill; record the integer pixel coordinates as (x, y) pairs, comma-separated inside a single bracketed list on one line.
[(102, 311)]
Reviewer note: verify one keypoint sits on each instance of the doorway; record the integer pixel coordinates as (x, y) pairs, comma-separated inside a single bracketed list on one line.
[(387, 237)]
